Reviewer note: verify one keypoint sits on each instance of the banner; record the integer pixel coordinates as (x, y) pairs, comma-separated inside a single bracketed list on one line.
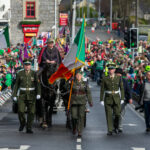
[(63, 21)]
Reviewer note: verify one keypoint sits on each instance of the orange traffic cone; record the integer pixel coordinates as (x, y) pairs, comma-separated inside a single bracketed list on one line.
[(108, 31)]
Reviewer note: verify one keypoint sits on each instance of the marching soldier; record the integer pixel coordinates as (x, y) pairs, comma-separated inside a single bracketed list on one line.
[(111, 88), (28, 87), (80, 94)]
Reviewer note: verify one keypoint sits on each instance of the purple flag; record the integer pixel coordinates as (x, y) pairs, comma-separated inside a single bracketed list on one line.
[(61, 32), (25, 52), (66, 49)]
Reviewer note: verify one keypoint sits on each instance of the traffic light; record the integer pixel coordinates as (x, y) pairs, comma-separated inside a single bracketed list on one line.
[(127, 38), (134, 37)]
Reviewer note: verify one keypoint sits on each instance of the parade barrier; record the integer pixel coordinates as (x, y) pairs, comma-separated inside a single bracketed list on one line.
[(5, 95)]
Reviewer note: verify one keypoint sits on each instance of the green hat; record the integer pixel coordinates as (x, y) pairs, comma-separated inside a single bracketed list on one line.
[(111, 66), (1, 52), (8, 76), (8, 83), (16, 50), (147, 68), (100, 42), (27, 62)]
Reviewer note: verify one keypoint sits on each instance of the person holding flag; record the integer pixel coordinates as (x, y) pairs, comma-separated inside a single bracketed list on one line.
[(75, 59), (80, 95)]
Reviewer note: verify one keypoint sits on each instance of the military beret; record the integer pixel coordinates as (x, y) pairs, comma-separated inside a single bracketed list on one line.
[(27, 62), (111, 66)]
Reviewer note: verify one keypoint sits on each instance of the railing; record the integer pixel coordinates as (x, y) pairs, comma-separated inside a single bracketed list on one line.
[(5, 95)]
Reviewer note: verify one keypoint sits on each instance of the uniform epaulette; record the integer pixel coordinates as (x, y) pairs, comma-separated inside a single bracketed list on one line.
[(20, 70)]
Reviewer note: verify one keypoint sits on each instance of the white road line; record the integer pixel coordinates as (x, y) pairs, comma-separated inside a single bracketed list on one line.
[(78, 147), (22, 147), (79, 140), (136, 148), (131, 108)]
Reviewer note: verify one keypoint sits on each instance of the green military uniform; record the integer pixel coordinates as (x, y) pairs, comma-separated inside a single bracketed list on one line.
[(80, 94), (111, 88), (28, 86)]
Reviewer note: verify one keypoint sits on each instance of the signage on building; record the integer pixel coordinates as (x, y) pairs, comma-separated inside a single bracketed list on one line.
[(63, 21), (30, 34), (30, 31)]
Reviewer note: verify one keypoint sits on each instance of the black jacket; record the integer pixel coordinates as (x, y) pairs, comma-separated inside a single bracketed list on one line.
[(127, 90)]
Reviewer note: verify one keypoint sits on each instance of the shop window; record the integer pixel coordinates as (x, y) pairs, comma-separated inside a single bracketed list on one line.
[(30, 9)]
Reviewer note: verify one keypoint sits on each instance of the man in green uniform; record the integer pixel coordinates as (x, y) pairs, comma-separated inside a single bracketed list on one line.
[(80, 95), (26, 91), (112, 93)]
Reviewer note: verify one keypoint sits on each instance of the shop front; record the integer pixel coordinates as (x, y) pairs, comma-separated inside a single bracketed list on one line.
[(30, 31)]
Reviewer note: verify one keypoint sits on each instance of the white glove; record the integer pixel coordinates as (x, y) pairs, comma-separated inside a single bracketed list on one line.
[(38, 97), (122, 101), (102, 103), (15, 99)]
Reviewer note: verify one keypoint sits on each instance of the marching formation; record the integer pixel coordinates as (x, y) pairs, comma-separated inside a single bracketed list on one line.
[(108, 63)]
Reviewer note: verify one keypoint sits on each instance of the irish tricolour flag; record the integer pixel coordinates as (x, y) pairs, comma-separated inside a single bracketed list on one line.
[(74, 59), (4, 38)]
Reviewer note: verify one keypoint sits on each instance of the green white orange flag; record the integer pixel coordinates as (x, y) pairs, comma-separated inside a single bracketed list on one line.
[(74, 59), (4, 38)]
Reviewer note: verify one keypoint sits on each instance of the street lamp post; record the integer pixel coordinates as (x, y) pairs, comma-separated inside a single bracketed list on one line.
[(55, 18), (111, 15), (99, 10), (73, 21)]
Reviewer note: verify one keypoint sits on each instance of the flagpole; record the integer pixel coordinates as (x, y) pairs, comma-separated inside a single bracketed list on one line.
[(71, 88)]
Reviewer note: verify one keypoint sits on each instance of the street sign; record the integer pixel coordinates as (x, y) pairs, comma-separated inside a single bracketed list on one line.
[(63, 20)]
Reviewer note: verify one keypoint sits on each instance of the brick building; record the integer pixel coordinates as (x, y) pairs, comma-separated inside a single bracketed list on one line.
[(30, 18)]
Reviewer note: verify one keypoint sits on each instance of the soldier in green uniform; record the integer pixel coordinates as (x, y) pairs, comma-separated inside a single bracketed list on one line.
[(112, 92), (80, 95), (26, 91)]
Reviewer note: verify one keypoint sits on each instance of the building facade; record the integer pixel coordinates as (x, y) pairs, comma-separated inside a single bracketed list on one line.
[(30, 18), (4, 13)]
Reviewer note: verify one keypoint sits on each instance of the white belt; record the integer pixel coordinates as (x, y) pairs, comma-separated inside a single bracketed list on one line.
[(27, 89), (112, 92)]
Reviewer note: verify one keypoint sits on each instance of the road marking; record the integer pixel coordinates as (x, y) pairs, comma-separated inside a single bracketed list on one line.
[(131, 108), (22, 147), (79, 140), (130, 124), (78, 147), (136, 148)]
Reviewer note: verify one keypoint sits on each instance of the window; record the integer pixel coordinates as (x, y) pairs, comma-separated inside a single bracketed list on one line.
[(30, 9)]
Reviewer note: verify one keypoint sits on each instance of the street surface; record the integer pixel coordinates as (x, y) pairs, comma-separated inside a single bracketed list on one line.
[(101, 34), (58, 137)]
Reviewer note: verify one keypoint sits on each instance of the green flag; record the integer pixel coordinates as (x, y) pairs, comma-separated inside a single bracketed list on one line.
[(80, 41)]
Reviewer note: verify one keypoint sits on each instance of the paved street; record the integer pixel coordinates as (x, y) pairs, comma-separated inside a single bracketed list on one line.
[(101, 34), (94, 136)]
